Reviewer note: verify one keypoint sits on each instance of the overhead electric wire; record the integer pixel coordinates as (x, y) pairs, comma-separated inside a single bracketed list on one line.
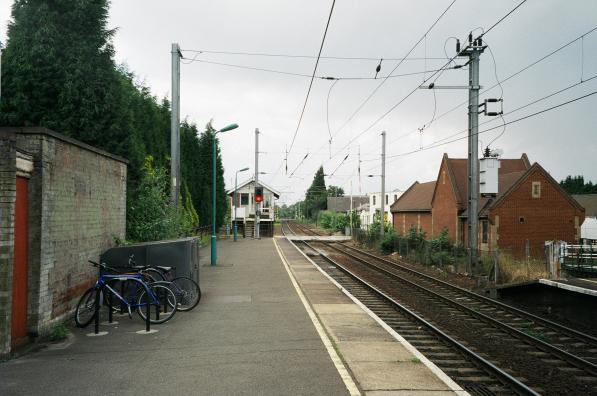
[(505, 114), (339, 165), (307, 56), (502, 18), (394, 69), (358, 109), (194, 59), (313, 76), (435, 144), (484, 32), (500, 82), (525, 68)]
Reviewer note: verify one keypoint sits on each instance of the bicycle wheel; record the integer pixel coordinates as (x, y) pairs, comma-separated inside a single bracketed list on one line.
[(155, 275), (188, 293), (85, 312), (163, 307)]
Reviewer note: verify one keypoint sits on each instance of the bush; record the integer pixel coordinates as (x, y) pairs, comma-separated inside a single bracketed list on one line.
[(389, 242), (333, 221), (152, 217)]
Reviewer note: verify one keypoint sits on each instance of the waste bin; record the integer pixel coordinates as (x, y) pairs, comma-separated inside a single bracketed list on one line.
[(180, 254)]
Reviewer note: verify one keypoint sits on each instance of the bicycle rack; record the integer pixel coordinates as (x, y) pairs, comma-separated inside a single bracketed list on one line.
[(110, 313)]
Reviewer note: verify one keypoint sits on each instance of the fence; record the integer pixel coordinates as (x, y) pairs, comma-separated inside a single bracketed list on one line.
[(579, 259)]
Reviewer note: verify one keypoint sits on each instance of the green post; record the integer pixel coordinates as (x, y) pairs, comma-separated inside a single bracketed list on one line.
[(214, 253)]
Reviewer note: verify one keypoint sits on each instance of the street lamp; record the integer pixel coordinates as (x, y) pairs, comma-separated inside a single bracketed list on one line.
[(214, 253), (234, 200)]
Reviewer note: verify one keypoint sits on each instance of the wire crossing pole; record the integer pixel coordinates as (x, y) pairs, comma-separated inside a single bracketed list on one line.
[(257, 204), (383, 184), (175, 127), (473, 51)]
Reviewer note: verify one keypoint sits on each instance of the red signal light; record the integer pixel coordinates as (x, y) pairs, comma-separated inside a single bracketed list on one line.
[(258, 194)]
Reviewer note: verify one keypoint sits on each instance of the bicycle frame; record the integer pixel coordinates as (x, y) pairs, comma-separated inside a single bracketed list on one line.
[(138, 278)]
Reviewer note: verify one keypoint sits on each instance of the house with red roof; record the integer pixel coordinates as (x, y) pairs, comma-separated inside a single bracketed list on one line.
[(528, 207)]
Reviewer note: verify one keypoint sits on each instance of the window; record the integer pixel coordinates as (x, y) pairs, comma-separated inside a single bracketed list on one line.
[(485, 231), (536, 189), (244, 199), (374, 200)]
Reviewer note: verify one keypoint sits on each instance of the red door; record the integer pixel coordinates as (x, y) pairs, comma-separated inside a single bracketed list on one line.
[(19, 274)]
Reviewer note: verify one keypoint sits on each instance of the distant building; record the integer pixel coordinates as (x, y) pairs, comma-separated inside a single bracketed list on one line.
[(588, 230), (528, 207), (375, 205), (342, 204), (413, 208), (243, 210)]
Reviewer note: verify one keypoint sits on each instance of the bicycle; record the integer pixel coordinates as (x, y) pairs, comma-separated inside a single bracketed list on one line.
[(186, 290), (146, 295)]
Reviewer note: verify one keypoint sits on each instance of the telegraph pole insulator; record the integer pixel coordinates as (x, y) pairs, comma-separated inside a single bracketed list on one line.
[(457, 46), (487, 152)]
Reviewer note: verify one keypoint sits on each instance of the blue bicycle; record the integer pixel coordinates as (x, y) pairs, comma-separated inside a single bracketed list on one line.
[(161, 300)]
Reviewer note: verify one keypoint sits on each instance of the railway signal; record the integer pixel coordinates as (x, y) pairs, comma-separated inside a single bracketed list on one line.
[(258, 194)]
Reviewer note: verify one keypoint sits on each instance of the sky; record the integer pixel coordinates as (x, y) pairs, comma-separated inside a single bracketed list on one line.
[(563, 140)]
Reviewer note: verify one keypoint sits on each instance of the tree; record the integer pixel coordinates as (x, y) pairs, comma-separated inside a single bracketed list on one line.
[(316, 198), (58, 72), (577, 185), (335, 191)]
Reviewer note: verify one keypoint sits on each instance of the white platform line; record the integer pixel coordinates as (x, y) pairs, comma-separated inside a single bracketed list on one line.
[(342, 370), (430, 365)]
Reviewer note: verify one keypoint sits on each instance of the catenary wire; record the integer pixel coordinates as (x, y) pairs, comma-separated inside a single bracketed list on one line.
[(313, 77)]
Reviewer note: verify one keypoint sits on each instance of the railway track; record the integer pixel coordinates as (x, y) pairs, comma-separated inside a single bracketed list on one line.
[(545, 355)]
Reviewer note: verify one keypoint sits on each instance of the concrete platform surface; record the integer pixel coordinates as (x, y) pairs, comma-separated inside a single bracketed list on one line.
[(381, 362), (250, 335)]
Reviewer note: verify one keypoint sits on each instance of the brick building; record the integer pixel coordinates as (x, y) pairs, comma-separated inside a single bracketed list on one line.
[(61, 203), (528, 209), (413, 208)]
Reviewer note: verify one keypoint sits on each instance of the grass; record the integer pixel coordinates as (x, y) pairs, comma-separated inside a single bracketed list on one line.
[(415, 360), (59, 332), (518, 270), (537, 334)]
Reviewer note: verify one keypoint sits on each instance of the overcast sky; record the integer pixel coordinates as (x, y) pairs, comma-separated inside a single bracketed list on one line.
[(564, 141)]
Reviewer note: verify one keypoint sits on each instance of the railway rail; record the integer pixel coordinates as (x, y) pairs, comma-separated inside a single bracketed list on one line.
[(545, 355)]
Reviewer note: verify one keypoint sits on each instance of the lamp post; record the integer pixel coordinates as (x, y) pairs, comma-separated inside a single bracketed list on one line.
[(234, 200), (214, 253)]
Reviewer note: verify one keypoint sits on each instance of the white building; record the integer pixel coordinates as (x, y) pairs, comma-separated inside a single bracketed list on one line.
[(374, 207), (243, 210)]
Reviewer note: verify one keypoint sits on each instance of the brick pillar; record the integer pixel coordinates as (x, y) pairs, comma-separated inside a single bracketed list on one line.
[(7, 203)]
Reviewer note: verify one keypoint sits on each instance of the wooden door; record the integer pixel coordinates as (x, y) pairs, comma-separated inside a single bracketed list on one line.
[(19, 274)]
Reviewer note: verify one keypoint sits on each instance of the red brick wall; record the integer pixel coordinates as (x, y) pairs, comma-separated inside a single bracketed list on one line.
[(549, 217), (444, 207), (403, 222)]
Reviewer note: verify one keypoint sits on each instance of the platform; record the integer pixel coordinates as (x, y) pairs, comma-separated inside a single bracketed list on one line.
[(269, 323), (381, 361)]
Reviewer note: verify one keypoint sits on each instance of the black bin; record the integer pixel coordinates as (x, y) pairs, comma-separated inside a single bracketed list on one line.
[(180, 254)]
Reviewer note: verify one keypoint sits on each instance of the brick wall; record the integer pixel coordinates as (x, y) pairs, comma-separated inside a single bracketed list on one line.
[(77, 204), (444, 207), (403, 221), (551, 216), (7, 204)]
